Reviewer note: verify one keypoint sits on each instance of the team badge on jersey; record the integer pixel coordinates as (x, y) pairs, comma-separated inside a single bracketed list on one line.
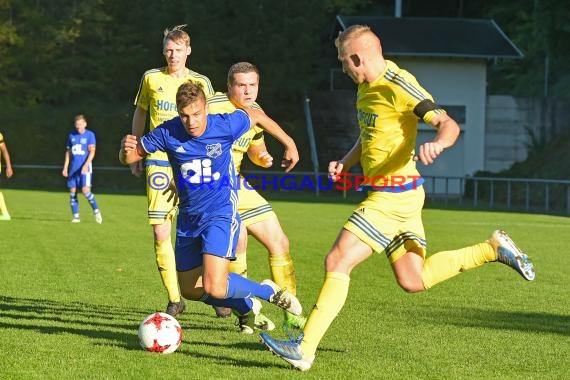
[(214, 150)]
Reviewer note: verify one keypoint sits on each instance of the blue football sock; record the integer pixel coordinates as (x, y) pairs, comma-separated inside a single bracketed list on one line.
[(91, 198), (73, 203), (241, 287), (241, 305)]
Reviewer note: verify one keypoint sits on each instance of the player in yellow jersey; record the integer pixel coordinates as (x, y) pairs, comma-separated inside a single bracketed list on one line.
[(257, 215), (389, 103), (4, 214), (156, 96)]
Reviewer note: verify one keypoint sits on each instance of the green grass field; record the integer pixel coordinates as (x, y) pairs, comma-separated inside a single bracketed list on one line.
[(72, 296)]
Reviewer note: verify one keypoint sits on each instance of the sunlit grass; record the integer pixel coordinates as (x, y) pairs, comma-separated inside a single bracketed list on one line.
[(72, 296)]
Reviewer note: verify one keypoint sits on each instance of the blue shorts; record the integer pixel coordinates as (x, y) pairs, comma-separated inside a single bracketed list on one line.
[(197, 235), (79, 180)]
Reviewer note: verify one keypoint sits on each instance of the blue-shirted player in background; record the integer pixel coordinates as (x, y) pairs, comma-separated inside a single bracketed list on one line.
[(199, 148), (77, 167)]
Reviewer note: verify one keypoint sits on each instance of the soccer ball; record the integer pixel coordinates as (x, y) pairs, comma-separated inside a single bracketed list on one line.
[(161, 333)]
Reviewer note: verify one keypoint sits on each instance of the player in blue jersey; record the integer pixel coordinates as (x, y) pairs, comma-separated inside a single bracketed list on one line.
[(199, 149), (4, 215), (77, 167), (155, 102)]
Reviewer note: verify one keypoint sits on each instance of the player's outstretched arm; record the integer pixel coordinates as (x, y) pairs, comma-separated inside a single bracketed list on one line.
[(131, 150), (349, 160), (259, 155), (447, 133), (291, 155), (65, 163), (8, 162), (137, 129)]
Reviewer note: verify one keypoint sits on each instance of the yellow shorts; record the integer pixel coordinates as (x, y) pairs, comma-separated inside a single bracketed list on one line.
[(252, 207), (390, 223), (159, 209)]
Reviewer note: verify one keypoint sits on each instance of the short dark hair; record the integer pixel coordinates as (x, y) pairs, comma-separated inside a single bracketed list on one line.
[(241, 67), (189, 92)]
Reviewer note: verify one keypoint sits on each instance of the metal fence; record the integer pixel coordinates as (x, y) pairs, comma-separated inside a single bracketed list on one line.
[(491, 193), (513, 194)]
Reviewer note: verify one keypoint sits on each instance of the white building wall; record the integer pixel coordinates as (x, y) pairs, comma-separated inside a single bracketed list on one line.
[(506, 134), (455, 82)]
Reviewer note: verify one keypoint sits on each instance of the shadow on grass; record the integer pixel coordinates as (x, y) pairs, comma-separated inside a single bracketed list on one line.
[(532, 322), (72, 309), (116, 325), (112, 326)]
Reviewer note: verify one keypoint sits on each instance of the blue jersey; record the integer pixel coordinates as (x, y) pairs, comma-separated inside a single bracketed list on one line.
[(202, 166), (78, 148)]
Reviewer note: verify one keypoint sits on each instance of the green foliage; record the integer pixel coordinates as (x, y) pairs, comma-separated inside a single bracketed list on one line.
[(60, 50), (9, 39), (71, 310), (55, 51), (90, 55), (540, 29)]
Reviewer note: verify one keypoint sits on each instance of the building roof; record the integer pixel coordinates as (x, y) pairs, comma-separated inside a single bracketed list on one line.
[(437, 37)]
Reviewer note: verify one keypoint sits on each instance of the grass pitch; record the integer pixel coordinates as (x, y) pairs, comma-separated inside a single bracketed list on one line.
[(72, 296)]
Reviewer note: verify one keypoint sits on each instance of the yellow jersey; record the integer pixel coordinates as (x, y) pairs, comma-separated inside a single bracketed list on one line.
[(388, 125), (157, 96), (220, 103)]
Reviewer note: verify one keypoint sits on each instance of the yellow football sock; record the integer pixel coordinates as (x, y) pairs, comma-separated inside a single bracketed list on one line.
[(239, 265), (444, 265), (167, 268), (283, 272), (330, 302), (3, 208)]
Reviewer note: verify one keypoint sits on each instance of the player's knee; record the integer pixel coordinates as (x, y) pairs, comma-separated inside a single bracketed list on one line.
[(161, 231), (284, 243), (411, 285), (278, 243), (335, 262), (330, 263), (275, 242), (215, 289)]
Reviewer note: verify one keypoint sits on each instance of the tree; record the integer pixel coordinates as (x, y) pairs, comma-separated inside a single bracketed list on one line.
[(540, 29)]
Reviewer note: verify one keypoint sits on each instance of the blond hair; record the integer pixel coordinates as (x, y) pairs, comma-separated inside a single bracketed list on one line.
[(352, 32), (176, 34)]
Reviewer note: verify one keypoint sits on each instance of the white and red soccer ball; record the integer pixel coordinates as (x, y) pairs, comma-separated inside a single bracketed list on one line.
[(160, 333)]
